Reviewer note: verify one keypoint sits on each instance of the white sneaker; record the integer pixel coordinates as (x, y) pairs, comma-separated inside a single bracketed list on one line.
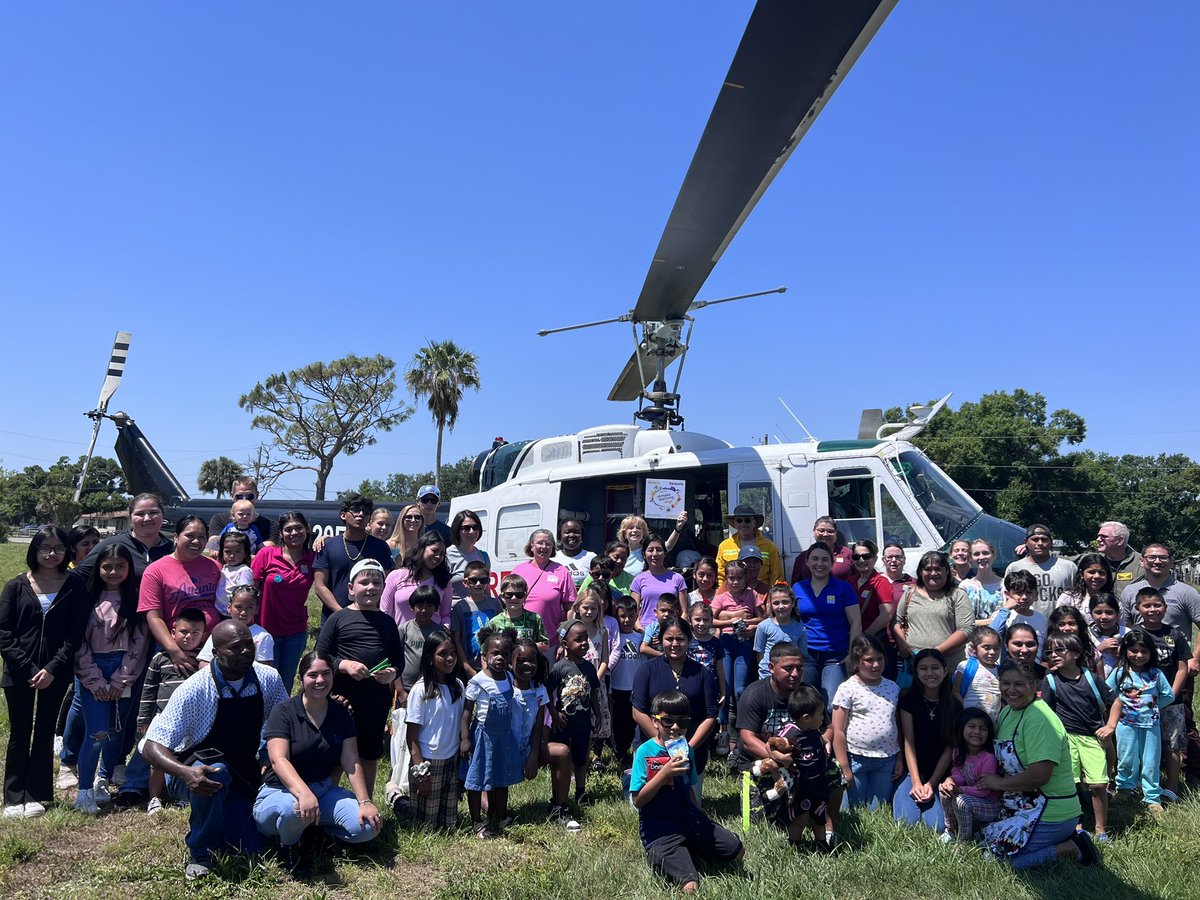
[(118, 775), (68, 777), (16, 811), (34, 809), (85, 802), (154, 807), (100, 791), (58, 744)]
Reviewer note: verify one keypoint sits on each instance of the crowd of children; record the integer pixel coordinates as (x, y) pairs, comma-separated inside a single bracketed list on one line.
[(650, 680)]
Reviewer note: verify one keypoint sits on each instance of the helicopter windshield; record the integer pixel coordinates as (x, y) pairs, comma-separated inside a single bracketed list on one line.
[(499, 465), (948, 507)]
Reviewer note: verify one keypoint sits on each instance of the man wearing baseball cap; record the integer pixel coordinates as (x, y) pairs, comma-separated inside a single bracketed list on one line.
[(746, 524), (1053, 573), (428, 498)]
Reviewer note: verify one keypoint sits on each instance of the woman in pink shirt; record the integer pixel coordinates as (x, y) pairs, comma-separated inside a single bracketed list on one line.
[(423, 564), (284, 575), (184, 578), (551, 587)]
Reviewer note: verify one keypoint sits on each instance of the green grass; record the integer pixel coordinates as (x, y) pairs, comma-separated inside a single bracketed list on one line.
[(66, 854)]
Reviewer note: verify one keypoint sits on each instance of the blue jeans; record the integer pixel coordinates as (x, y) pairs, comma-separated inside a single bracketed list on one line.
[(872, 785), (73, 729), (219, 820), (1041, 846), (739, 665), (103, 725), (288, 650), (824, 670), (1139, 757), (276, 816), (906, 810)]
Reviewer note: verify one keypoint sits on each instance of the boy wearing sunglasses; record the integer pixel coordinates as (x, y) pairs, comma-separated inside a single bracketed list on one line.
[(673, 828), (513, 591), (471, 613)]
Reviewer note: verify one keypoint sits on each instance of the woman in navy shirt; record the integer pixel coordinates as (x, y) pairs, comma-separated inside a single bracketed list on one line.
[(829, 609)]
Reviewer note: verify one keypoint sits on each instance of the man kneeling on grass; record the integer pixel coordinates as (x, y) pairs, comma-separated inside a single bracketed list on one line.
[(207, 742), (671, 825)]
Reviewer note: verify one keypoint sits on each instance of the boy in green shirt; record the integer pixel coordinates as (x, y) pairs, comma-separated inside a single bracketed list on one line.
[(513, 591)]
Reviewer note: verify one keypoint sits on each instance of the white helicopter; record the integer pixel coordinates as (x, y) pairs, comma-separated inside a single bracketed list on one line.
[(791, 59)]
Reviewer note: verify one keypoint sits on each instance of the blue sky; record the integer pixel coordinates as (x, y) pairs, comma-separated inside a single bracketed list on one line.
[(1001, 195)]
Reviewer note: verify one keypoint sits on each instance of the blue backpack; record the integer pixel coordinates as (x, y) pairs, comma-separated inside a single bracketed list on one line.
[(1091, 683)]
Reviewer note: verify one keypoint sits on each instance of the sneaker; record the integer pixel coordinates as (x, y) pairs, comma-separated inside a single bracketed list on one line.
[(1101, 837), (118, 775), (34, 809), (573, 826), (100, 791), (68, 777), (946, 838), (831, 840), (1087, 850), (16, 811), (85, 802), (58, 744), (196, 870), (127, 799), (289, 857), (154, 807), (722, 748), (1169, 796)]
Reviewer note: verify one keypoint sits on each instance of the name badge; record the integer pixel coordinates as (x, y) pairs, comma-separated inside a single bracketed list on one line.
[(304, 570), (1124, 576), (830, 599), (553, 579)]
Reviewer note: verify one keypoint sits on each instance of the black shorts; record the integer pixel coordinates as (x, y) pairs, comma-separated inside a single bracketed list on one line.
[(370, 710), (673, 856), (578, 738)]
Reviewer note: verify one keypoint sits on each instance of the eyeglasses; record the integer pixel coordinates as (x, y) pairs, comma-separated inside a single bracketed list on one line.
[(413, 518), (893, 559), (250, 496), (513, 595), (1156, 558), (860, 556), (669, 721), (51, 551), (476, 580), (470, 528)]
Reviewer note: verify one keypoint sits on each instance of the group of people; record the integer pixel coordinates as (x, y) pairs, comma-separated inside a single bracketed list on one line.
[(971, 702)]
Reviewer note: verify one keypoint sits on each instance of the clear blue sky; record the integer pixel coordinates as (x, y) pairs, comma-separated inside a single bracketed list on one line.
[(1001, 195)]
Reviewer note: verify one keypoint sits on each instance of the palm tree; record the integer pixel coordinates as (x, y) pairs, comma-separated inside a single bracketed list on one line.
[(441, 371)]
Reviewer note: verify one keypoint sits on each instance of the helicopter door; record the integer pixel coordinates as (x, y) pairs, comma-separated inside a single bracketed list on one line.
[(859, 501), (752, 484), (516, 519)]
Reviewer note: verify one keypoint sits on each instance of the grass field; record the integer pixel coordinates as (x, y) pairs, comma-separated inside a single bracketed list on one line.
[(126, 854)]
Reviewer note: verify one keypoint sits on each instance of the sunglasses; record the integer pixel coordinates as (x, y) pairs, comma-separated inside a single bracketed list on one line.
[(477, 581), (245, 496), (412, 518), (859, 556), (744, 521), (669, 721), (427, 501), (513, 595), (470, 528)]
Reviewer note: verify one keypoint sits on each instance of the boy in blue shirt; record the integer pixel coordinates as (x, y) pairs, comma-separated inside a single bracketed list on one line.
[(671, 825)]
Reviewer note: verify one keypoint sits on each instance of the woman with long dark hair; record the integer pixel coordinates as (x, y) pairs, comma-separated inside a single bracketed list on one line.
[(283, 575), (423, 564)]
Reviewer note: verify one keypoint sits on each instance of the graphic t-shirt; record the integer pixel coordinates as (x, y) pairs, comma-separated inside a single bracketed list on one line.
[(570, 685), (761, 711), (170, 586), (466, 618), (871, 726)]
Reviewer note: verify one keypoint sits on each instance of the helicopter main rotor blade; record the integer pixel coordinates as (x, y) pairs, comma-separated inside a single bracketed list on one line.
[(116, 368), (792, 57)]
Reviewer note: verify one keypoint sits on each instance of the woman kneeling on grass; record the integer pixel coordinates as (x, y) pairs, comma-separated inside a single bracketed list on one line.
[(1040, 810), (308, 740)]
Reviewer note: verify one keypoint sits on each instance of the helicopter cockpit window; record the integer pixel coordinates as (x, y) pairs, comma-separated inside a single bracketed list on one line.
[(896, 528), (758, 495), (949, 509), (852, 503), (499, 464)]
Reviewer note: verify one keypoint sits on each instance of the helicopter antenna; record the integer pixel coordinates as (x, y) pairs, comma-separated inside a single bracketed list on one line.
[(796, 418), (112, 380)]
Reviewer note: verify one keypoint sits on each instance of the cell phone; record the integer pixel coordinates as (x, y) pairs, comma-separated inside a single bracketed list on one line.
[(206, 756)]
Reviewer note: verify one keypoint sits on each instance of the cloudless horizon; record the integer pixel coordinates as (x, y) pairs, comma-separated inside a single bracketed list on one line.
[(1000, 195)]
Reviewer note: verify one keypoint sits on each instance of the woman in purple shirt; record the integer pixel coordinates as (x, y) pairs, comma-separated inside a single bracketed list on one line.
[(657, 580)]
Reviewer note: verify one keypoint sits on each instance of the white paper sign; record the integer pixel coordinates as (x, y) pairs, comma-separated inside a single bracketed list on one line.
[(664, 498)]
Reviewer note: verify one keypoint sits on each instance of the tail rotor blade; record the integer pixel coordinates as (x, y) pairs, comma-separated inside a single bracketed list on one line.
[(116, 368)]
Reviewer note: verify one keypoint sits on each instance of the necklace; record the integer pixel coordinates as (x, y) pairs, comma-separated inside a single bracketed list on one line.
[(931, 707), (346, 547)]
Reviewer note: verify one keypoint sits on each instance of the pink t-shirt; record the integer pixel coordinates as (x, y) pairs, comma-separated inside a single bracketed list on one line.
[(745, 603), (170, 586), (551, 593), (284, 607), (398, 587)]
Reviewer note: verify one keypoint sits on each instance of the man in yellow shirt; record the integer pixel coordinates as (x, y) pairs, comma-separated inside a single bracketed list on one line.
[(746, 524)]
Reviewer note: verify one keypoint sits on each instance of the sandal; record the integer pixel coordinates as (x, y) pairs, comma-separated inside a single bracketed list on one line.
[(483, 832)]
